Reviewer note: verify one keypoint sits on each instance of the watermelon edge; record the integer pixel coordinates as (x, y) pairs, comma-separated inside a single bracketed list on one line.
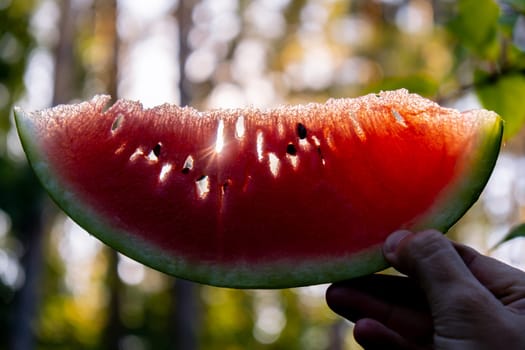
[(465, 190)]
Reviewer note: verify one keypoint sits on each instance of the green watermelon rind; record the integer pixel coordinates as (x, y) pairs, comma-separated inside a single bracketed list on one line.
[(466, 190), (285, 273)]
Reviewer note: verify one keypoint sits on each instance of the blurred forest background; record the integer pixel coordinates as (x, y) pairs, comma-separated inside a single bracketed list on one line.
[(62, 289)]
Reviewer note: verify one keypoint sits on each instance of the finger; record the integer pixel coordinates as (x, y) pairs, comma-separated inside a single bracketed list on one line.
[(398, 290), (371, 334), (505, 282), (394, 301), (431, 259)]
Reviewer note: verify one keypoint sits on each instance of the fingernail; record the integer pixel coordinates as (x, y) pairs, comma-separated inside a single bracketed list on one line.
[(393, 240)]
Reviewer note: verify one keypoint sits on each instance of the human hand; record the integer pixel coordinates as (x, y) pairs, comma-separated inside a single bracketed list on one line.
[(453, 298)]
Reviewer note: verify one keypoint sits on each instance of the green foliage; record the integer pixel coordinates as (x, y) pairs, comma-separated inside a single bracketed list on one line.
[(476, 26), (505, 95), (485, 35), (515, 232), (15, 44), (517, 5), (21, 193)]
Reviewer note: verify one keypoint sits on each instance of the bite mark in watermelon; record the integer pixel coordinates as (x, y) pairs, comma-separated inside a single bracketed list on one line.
[(247, 198)]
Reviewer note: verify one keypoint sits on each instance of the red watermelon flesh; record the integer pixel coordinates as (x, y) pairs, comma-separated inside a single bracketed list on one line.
[(248, 198)]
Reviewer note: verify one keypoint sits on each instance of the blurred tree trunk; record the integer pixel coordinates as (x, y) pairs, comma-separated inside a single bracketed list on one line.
[(27, 299), (106, 27), (186, 309), (39, 214), (337, 335), (186, 315), (184, 19), (114, 330), (63, 89)]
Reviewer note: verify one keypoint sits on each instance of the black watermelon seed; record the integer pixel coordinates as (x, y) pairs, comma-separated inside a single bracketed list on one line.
[(156, 150), (226, 184), (301, 131), (291, 150), (117, 122), (185, 170)]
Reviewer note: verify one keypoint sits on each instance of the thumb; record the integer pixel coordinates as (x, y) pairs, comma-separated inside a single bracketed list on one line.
[(431, 259)]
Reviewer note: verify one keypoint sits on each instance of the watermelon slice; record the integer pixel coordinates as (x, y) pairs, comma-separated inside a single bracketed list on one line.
[(246, 198)]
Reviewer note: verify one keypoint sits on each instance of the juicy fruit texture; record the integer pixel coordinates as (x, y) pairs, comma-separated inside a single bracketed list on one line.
[(247, 198)]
